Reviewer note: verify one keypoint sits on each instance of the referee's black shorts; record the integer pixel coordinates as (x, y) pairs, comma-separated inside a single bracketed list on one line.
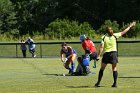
[(110, 57)]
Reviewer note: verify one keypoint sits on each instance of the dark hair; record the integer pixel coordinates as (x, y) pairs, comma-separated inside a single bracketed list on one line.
[(87, 38), (22, 40), (64, 44), (107, 30)]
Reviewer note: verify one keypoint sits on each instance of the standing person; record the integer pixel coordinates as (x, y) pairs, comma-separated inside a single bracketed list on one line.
[(108, 44), (68, 55), (23, 48), (90, 49), (31, 46)]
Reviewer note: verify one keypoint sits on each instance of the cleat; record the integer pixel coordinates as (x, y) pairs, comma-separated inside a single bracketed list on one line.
[(114, 85), (71, 73), (97, 84), (34, 56)]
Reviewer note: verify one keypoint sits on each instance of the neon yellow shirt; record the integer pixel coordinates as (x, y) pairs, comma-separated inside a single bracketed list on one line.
[(110, 42)]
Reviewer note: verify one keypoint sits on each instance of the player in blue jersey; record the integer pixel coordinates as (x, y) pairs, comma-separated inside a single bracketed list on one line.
[(31, 46), (68, 55)]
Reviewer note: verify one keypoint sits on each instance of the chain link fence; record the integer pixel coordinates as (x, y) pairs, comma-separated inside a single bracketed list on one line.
[(52, 49)]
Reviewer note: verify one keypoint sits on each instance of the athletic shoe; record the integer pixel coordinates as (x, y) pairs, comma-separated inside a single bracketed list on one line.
[(88, 71), (97, 84), (34, 56), (70, 72), (114, 85)]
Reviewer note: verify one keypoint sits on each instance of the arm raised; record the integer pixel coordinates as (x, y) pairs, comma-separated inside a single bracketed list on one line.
[(128, 28)]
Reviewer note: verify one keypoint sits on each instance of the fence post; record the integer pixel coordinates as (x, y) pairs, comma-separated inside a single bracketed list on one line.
[(16, 51), (40, 50)]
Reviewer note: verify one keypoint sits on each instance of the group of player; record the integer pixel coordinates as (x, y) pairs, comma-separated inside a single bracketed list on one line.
[(31, 46), (69, 55), (108, 45)]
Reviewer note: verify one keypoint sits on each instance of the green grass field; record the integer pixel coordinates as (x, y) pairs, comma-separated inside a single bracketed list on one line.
[(44, 75)]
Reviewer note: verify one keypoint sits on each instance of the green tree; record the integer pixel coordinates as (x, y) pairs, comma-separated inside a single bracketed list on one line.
[(34, 16), (7, 16), (107, 23), (64, 28)]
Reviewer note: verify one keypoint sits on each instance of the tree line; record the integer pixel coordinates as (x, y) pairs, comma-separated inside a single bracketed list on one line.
[(66, 18)]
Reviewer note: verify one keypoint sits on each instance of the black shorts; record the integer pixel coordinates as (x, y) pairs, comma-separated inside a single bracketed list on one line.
[(93, 56), (110, 57)]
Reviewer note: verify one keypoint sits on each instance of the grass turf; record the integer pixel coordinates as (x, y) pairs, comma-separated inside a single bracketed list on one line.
[(44, 75)]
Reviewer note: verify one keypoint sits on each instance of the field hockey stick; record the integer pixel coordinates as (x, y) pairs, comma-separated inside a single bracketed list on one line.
[(94, 64)]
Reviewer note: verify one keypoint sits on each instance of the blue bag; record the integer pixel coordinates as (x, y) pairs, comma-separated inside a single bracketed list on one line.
[(85, 60)]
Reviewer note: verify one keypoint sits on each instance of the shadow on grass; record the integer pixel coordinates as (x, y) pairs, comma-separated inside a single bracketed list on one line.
[(62, 75), (53, 74), (83, 86), (128, 77)]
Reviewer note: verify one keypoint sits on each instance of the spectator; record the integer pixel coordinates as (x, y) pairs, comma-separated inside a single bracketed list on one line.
[(23, 48), (31, 46)]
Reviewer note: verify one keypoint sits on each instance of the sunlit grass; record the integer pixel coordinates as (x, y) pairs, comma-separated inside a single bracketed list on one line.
[(44, 75)]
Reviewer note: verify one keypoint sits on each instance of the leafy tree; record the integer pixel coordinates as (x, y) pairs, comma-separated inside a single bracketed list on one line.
[(107, 23), (34, 16), (7, 16), (65, 28), (24, 16)]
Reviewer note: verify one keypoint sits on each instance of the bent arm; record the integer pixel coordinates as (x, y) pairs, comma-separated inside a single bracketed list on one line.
[(100, 51), (71, 52), (62, 56)]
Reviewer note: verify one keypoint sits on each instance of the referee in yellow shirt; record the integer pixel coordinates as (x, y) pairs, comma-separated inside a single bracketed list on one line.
[(108, 45)]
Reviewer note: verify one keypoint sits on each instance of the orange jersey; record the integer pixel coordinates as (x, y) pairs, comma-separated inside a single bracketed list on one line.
[(88, 44)]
